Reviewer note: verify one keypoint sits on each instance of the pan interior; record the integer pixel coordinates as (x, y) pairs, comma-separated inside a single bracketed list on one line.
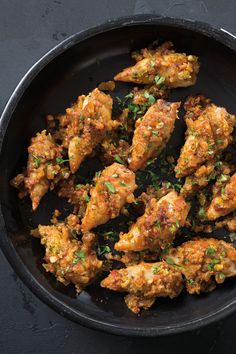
[(77, 71)]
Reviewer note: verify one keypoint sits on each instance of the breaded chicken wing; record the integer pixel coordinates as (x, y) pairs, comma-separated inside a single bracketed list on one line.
[(152, 133), (44, 167), (156, 229), (207, 135), (70, 260), (162, 65), (145, 282), (224, 201), (203, 260), (96, 117), (113, 189)]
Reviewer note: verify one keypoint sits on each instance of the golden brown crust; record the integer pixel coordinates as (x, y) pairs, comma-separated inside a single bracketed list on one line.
[(224, 201), (113, 189), (206, 136), (145, 281), (177, 69), (44, 168), (152, 132), (204, 262), (156, 229), (67, 258)]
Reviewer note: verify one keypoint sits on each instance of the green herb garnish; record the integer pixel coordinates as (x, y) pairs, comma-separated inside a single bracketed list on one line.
[(118, 159), (159, 80), (36, 161), (210, 251), (60, 160), (79, 256), (110, 187)]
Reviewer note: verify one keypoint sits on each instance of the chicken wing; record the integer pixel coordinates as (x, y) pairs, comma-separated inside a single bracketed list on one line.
[(156, 229), (152, 133), (114, 187), (162, 65), (44, 167), (70, 260), (145, 282), (224, 201), (96, 117), (207, 135), (201, 260)]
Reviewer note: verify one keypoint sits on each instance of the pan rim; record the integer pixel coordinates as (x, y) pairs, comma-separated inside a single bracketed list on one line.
[(220, 35)]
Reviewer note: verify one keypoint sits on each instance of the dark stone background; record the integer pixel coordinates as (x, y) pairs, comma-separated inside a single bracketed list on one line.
[(28, 29)]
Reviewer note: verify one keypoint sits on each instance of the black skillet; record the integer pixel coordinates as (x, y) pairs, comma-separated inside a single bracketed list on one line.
[(73, 67)]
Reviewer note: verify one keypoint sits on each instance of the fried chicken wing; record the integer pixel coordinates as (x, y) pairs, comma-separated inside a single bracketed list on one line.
[(96, 117), (44, 167), (156, 229), (152, 133), (113, 189), (207, 135), (204, 262), (70, 260), (145, 282), (224, 201), (162, 65)]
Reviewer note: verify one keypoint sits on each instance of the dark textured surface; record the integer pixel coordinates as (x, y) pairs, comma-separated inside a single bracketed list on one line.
[(27, 30)]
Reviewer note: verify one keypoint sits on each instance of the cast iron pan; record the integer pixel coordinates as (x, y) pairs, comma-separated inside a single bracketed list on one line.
[(72, 68)]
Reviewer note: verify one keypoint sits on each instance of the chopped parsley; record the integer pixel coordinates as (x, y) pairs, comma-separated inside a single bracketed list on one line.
[(60, 160), (212, 263), (222, 178), (210, 251), (202, 213), (151, 98), (155, 269), (110, 187), (103, 249), (79, 256), (152, 62), (98, 173), (87, 198), (158, 224), (123, 184), (170, 261), (118, 159), (159, 80), (190, 281), (222, 276), (36, 161)]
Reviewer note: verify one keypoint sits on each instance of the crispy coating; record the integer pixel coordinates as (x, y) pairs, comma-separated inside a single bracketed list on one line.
[(96, 117), (141, 96), (207, 135), (224, 201), (43, 168), (229, 223), (177, 69), (144, 283), (204, 262), (199, 179), (156, 229), (113, 189), (152, 133), (70, 260)]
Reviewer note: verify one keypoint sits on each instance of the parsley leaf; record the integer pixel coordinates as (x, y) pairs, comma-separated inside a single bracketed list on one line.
[(110, 187), (60, 160), (118, 159), (36, 161), (159, 80)]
